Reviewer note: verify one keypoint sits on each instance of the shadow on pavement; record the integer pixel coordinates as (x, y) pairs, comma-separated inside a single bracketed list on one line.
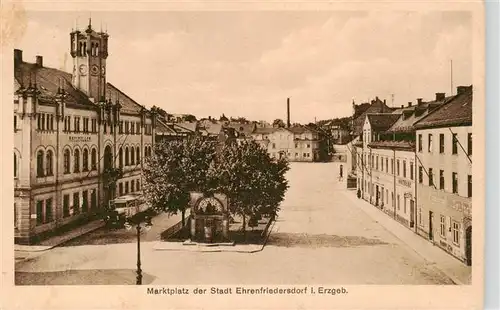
[(82, 277), (318, 241)]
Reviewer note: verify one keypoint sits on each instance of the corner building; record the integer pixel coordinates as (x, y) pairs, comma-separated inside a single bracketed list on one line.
[(71, 132)]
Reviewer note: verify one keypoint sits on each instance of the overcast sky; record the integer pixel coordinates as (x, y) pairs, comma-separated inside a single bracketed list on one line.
[(248, 63)]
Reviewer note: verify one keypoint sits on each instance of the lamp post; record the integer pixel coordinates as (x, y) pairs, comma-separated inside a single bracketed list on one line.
[(139, 226)]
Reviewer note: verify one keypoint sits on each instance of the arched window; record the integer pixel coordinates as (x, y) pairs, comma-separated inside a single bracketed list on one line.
[(39, 164), (76, 167), (132, 156), (108, 157), (66, 162), (85, 160), (137, 185), (138, 155), (84, 48), (50, 162), (92, 49), (15, 165), (126, 156), (97, 49), (120, 157), (94, 159)]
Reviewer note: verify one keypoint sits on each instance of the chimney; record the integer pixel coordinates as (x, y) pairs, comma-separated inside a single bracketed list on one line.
[(419, 101), (461, 89), (287, 112), (384, 101), (39, 61), (18, 56), (440, 96), (402, 106), (409, 103)]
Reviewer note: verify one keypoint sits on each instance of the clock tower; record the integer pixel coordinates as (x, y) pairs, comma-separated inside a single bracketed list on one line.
[(89, 50)]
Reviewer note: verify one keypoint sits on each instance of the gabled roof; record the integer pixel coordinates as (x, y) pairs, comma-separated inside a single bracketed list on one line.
[(376, 106), (400, 145), (456, 112), (264, 130), (300, 129), (211, 129), (382, 121), (245, 129), (128, 104)]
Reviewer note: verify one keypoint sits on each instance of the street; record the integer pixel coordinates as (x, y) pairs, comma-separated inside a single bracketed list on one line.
[(322, 235)]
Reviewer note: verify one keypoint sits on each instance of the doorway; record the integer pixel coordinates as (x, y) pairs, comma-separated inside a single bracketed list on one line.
[(431, 232), (468, 245)]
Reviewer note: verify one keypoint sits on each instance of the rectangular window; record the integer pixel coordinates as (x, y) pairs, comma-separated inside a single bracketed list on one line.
[(404, 168), (411, 171), (454, 178), (404, 205), (15, 216), (392, 166), (132, 186), (76, 203), (382, 164), (431, 177), (15, 122), (399, 203), (442, 230), (397, 167), (126, 187), (132, 129), (376, 162), (469, 144), (429, 143), (48, 121), (456, 231), (454, 149), (469, 186), (48, 211), (420, 174), (120, 129), (386, 196), (138, 128), (441, 179), (420, 143), (441, 143), (43, 121), (387, 165), (420, 216), (104, 127), (120, 189), (65, 205), (39, 212), (85, 201), (93, 200)]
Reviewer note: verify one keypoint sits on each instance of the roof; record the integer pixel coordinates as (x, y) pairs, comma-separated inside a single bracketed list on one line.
[(164, 129), (211, 129), (245, 129), (185, 127), (264, 130), (456, 112), (411, 115), (401, 145), (300, 129), (382, 121), (48, 81), (376, 106)]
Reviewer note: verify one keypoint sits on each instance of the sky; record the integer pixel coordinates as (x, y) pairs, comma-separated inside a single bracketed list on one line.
[(247, 63)]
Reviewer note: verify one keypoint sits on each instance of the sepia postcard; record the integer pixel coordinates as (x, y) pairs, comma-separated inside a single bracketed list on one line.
[(243, 155)]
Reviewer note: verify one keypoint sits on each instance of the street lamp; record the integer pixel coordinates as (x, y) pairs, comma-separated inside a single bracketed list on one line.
[(139, 226)]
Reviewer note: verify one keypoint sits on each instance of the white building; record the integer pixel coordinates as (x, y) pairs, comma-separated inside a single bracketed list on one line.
[(444, 191)]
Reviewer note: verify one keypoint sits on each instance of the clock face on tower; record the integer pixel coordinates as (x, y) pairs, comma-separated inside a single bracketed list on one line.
[(83, 69), (94, 70)]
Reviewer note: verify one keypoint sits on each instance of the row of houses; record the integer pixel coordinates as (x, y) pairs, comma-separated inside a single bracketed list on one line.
[(296, 143), (415, 164)]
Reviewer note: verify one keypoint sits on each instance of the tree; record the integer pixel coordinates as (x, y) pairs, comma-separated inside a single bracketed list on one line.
[(254, 182), (174, 170), (278, 123), (190, 118)]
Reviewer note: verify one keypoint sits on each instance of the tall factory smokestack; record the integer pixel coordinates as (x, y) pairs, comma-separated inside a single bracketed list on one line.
[(287, 112)]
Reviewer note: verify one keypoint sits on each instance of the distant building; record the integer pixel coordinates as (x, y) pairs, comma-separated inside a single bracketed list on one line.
[(295, 143)]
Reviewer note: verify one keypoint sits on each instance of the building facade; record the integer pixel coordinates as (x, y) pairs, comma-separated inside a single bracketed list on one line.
[(74, 133), (295, 143), (444, 190)]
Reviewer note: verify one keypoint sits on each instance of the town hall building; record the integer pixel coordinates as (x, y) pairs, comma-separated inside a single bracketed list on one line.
[(72, 133)]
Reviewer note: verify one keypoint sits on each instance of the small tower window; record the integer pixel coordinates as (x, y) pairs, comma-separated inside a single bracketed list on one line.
[(97, 49), (39, 164), (92, 49)]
